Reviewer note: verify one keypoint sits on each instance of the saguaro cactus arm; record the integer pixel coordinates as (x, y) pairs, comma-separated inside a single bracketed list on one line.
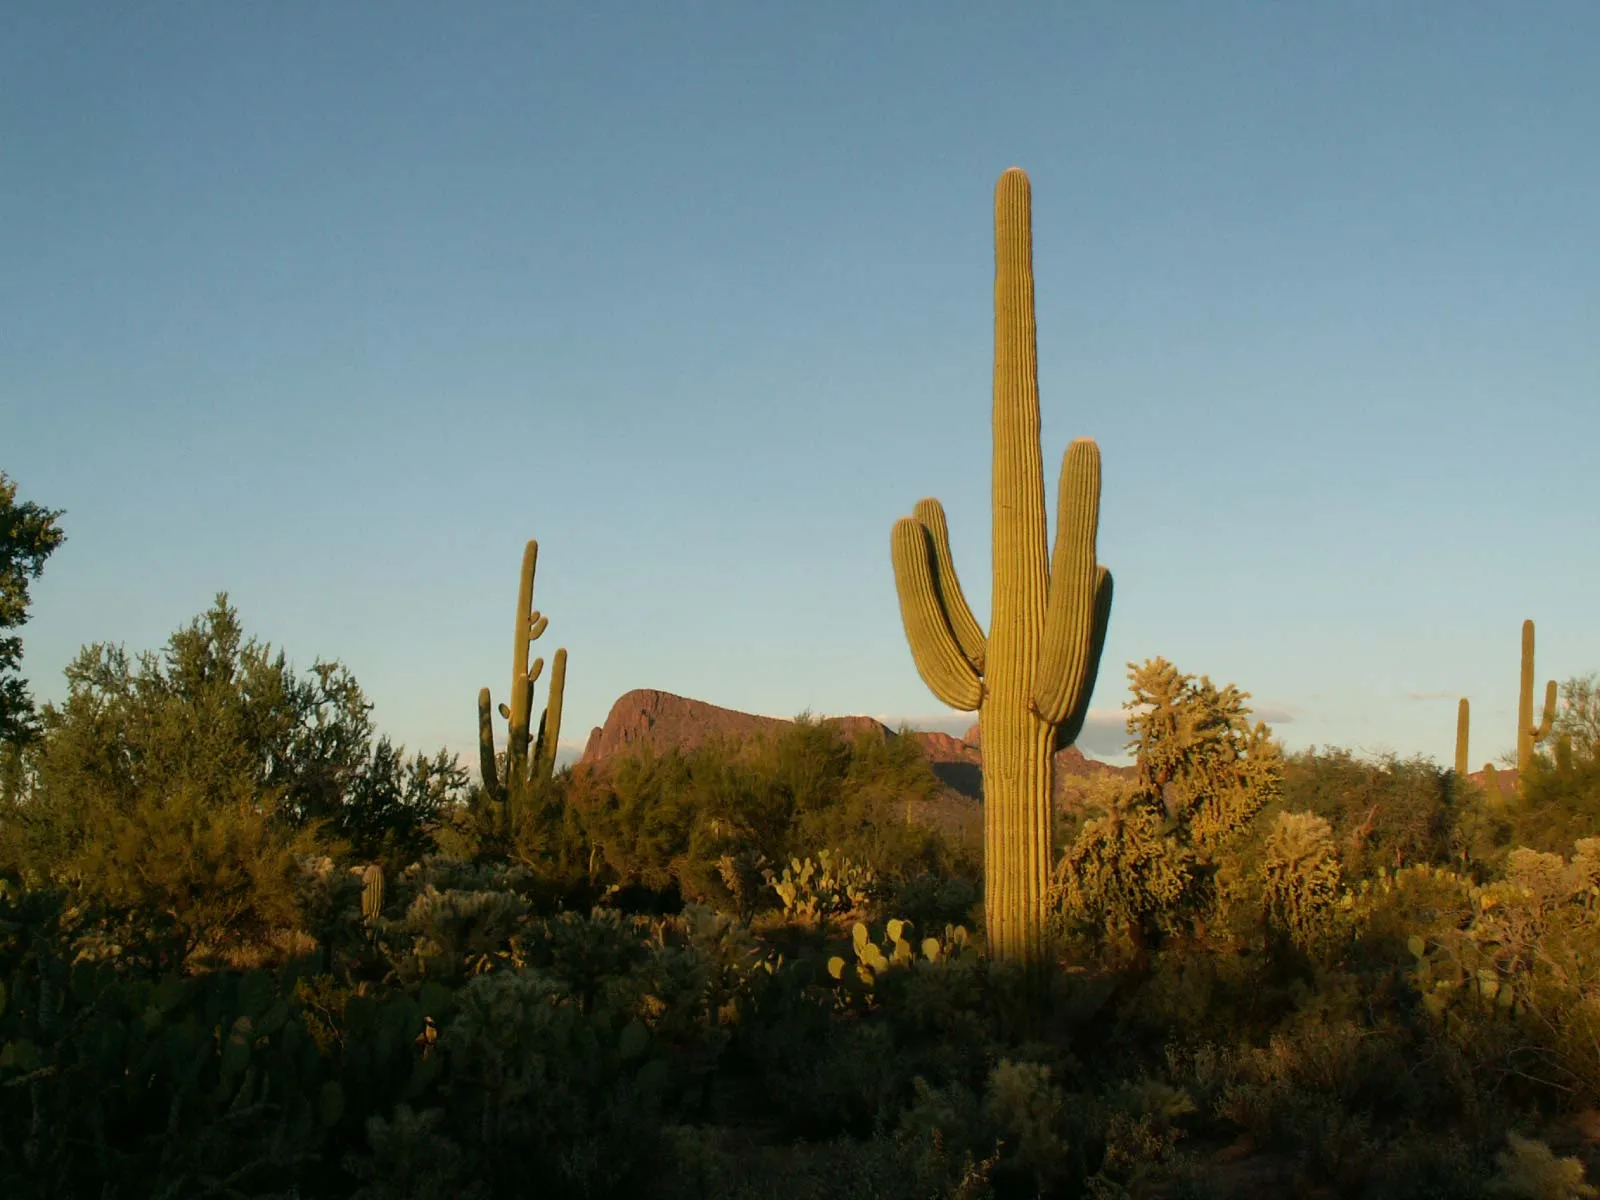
[(1063, 676), (550, 722), (1072, 724), (520, 763), (934, 647), (1542, 729), (1528, 734), (487, 766), (969, 634)]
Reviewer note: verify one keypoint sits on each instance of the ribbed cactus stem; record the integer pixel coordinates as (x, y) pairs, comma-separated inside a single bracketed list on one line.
[(371, 893), (1530, 735), (524, 757), (1463, 723), (487, 766), (550, 722), (1031, 677), (521, 676)]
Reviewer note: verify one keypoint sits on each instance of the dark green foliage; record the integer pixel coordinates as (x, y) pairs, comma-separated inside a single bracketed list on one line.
[(28, 536), (180, 790), (679, 823), (1312, 975), (1384, 812)]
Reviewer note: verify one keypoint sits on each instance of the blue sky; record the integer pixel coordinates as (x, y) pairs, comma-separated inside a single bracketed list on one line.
[(333, 306)]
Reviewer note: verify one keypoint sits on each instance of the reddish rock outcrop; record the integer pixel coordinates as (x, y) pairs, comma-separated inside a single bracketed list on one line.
[(1506, 777), (660, 721), (648, 719)]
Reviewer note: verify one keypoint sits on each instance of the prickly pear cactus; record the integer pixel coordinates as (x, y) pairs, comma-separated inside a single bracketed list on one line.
[(816, 893), (875, 960)]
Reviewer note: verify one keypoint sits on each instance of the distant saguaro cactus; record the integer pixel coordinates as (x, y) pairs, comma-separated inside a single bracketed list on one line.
[(1530, 735), (1031, 677), (372, 893), (1463, 725), (520, 765)]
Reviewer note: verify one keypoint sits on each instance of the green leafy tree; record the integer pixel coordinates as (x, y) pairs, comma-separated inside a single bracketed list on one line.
[(28, 536), (180, 789)]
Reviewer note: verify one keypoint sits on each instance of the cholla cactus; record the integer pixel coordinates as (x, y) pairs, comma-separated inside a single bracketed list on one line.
[(1122, 870), (1303, 883), (1199, 757)]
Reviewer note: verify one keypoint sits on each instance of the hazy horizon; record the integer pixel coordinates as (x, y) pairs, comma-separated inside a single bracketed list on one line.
[(332, 308)]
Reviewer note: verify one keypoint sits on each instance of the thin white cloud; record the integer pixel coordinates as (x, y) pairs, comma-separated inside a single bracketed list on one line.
[(954, 723), (1429, 696), (1275, 714)]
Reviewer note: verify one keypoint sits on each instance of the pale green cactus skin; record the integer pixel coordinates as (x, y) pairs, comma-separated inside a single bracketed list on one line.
[(873, 961), (1030, 679), (814, 893), (521, 765)]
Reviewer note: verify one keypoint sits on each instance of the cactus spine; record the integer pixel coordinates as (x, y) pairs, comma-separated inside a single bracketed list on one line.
[(1530, 735), (520, 765), (1463, 721), (1031, 678), (371, 893)]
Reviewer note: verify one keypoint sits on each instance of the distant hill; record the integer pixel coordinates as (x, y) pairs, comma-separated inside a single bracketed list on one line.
[(1505, 777), (661, 721)]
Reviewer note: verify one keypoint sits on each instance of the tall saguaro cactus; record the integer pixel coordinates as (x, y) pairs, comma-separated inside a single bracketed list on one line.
[(520, 765), (1463, 728), (1530, 735), (1031, 677)]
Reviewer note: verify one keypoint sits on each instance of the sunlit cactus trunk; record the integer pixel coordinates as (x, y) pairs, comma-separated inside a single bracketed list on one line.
[(1530, 735), (371, 895), (1463, 728), (1031, 677), (525, 759)]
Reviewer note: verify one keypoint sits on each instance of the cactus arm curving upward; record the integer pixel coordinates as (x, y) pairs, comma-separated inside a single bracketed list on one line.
[(550, 722), (1031, 678), (1530, 735), (1062, 681), (528, 627), (1069, 729), (968, 633), (520, 764), (947, 671), (487, 766)]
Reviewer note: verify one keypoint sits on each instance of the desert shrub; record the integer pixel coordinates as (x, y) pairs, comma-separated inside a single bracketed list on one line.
[(708, 1163), (1528, 1170), (450, 935), (185, 787), (1384, 812)]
